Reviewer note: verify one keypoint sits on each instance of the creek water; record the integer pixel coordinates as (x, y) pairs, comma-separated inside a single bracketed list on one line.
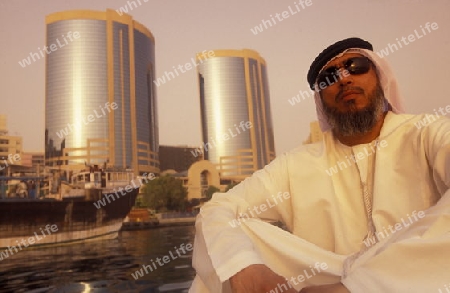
[(106, 266)]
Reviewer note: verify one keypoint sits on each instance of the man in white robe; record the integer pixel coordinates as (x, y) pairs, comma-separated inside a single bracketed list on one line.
[(366, 210)]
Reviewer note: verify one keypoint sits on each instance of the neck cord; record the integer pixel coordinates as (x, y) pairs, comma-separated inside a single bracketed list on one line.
[(367, 192)]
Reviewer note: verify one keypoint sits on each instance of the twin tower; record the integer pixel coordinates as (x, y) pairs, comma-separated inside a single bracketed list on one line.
[(101, 105)]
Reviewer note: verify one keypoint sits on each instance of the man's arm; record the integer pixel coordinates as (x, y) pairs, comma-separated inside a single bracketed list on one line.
[(333, 288), (257, 279), (436, 139), (219, 234)]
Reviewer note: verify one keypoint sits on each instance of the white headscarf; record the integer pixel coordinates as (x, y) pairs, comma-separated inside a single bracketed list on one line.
[(387, 81)]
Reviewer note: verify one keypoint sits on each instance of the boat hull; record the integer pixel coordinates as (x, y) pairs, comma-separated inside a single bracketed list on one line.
[(28, 222)]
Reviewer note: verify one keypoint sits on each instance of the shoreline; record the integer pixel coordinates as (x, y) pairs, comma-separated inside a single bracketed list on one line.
[(152, 224)]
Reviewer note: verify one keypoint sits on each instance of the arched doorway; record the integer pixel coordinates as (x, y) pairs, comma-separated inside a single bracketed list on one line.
[(201, 175), (204, 182)]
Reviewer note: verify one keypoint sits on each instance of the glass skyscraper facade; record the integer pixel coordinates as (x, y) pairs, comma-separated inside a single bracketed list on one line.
[(100, 99), (234, 92)]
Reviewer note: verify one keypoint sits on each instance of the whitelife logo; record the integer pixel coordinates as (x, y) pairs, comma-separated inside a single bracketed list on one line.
[(307, 274), (265, 24), (183, 68), (354, 158), (446, 287), (71, 36), (124, 9), (262, 208), (124, 190), (90, 118), (185, 248), (415, 216), (411, 38), (428, 119), (12, 159), (318, 87), (221, 138), (27, 242)]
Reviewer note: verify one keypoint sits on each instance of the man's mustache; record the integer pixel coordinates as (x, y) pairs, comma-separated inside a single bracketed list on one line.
[(342, 91)]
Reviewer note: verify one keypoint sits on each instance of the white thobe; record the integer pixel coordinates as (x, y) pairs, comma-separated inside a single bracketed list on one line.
[(325, 214)]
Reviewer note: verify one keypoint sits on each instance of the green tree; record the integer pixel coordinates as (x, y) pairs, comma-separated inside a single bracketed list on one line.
[(210, 191), (165, 193), (231, 185)]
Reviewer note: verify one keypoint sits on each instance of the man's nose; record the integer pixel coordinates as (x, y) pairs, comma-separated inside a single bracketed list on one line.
[(345, 77)]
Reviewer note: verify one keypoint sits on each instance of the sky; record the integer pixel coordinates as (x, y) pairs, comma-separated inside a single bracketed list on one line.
[(184, 28)]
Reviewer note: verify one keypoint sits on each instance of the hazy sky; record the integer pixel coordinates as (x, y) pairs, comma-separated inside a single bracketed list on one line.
[(183, 28)]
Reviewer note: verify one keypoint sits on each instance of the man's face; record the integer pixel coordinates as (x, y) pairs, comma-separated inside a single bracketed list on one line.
[(355, 102)]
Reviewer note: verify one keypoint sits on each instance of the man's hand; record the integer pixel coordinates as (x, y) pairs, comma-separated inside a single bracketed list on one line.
[(258, 279), (333, 288)]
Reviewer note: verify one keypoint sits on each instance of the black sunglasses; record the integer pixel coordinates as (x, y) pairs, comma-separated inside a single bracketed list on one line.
[(354, 65)]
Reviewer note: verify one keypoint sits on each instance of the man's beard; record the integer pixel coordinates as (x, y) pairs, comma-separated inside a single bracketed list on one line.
[(357, 121)]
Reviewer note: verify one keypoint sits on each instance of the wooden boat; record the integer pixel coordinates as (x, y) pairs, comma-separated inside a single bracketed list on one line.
[(92, 206)]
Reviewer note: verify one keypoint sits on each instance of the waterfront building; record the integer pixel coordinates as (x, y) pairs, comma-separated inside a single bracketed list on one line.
[(177, 158), (100, 97), (3, 124), (33, 159), (236, 118), (200, 177), (10, 148)]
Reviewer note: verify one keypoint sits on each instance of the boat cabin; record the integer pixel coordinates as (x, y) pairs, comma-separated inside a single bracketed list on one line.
[(101, 179)]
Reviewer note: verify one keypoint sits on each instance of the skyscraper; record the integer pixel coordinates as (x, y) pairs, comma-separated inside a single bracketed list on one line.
[(100, 98), (235, 112)]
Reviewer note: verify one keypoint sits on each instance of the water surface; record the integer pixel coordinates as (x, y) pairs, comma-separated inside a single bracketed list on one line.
[(105, 266)]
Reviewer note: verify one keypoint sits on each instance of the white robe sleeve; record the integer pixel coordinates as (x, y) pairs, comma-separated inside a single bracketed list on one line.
[(218, 228), (417, 258), (437, 147)]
